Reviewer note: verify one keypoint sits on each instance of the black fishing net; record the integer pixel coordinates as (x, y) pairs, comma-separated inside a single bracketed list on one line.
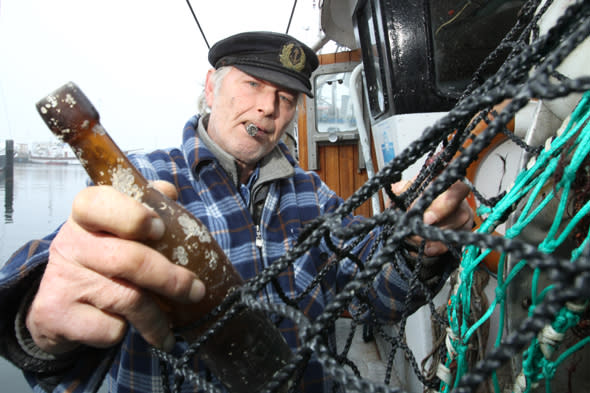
[(530, 73)]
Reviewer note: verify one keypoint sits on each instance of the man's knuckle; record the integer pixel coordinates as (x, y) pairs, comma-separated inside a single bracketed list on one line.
[(180, 284), (131, 298), (136, 223), (81, 201), (467, 214), (124, 299), (115, 333)]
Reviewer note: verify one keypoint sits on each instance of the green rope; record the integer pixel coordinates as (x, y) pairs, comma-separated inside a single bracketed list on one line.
[(534, 183)]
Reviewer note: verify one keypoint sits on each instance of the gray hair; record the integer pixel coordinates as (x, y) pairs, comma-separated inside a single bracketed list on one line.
[(202, 107)]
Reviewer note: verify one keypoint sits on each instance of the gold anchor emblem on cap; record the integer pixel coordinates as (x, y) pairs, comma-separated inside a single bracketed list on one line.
[(292, 57)]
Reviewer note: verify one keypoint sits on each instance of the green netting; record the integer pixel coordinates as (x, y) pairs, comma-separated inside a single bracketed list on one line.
[(573, 142)]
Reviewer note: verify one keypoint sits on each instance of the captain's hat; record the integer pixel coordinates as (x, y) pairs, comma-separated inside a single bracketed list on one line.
[(273, 57)]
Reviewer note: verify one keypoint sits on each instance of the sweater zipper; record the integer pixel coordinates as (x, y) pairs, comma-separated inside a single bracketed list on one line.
[(258, 237)]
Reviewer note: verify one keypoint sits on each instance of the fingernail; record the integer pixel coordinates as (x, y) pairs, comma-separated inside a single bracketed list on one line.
[(430, 218), (430, 250), (157, 228), (169, 342), (434, 249), (197, 291)]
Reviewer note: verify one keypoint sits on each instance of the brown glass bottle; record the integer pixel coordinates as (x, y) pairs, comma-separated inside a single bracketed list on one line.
[(246, 352)]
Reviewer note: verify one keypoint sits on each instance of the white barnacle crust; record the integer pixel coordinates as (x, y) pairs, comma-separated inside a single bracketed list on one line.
[(122, 180), (180, 256), (165, 206), (162, 247), (51, 101), (212, 257), (43, 110), (71, 101), (192, 228), (97, 129), (85, 124), (78, 151), (147, 206)]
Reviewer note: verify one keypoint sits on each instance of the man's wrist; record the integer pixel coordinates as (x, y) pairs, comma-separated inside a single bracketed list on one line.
[(25, 353), (430, 270)]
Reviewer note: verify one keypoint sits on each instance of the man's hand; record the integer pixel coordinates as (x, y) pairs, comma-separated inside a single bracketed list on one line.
[(100, 277), (449, 210)]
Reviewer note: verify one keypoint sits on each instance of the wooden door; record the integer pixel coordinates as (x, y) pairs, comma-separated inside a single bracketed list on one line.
[(337, 163)]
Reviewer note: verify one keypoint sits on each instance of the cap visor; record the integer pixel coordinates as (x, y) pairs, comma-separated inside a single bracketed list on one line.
[(275, 77)]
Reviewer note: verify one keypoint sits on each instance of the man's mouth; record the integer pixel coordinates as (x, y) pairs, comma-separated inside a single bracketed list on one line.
[(252, 129)]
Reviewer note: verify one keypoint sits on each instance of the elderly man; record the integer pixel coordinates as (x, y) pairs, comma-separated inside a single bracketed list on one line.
[(76, 305)]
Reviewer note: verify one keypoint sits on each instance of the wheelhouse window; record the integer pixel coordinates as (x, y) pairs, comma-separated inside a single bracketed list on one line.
[(331, 119), (370, 32), (334, 111), (463, 34)]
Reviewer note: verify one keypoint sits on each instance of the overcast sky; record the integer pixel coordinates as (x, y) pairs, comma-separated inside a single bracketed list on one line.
[(142, 63)]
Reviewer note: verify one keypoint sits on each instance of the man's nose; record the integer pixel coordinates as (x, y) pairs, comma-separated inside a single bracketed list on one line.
[(267, 103)]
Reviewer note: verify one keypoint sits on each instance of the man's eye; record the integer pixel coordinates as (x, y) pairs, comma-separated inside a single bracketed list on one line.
[(253, 83), (286, 99)]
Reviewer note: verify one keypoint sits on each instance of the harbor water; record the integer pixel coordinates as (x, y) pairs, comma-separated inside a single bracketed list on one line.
[(34, 203)]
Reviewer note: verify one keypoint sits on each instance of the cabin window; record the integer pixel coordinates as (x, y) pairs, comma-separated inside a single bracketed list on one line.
[(463, 34), (371, 32), (334, 112), (330, 114)]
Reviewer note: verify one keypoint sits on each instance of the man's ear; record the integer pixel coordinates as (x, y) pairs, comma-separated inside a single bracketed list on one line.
[(210, 87)]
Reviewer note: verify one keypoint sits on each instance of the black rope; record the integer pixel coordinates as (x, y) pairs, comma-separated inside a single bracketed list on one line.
[(291, 16), (528, 73), (198, 24)]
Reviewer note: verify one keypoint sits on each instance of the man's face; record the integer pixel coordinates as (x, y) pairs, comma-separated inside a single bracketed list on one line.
[(240, 100)]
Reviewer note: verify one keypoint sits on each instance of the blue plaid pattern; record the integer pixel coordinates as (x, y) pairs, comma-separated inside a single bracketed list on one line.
[(207, 191)]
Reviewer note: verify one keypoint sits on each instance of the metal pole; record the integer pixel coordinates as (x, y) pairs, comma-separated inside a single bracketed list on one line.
[(8, 180)]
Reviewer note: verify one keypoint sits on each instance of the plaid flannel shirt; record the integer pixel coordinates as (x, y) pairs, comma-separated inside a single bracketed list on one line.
[(207, 191)]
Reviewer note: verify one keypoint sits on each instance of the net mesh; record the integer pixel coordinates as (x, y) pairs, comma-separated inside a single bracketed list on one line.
[(528, 350)]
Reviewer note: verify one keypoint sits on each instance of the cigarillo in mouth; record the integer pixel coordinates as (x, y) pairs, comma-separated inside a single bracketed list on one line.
[(251, 129)]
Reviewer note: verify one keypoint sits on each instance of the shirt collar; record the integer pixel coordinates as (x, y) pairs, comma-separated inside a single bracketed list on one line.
[(199, 148)]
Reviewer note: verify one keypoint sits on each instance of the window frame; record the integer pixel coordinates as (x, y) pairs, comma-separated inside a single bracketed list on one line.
[(315, 138)]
